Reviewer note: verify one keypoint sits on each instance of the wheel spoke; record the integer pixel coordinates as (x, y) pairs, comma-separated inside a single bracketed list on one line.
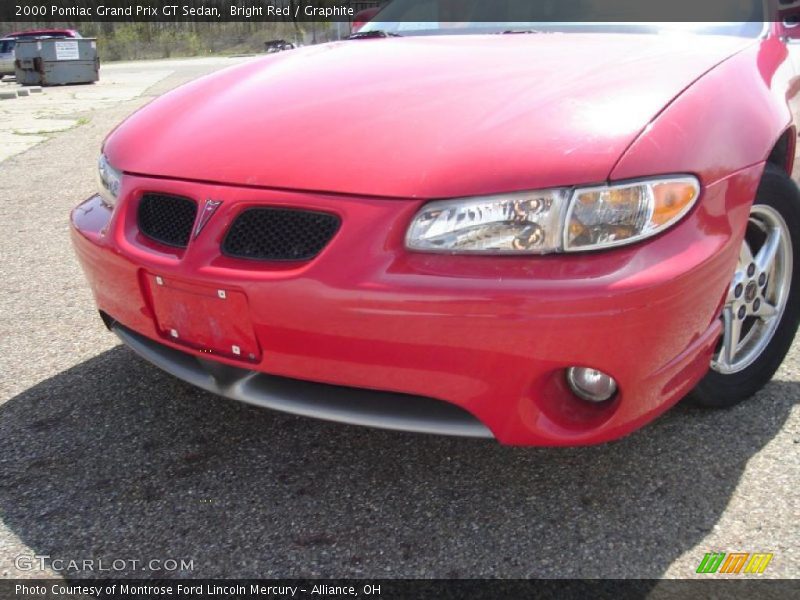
[(766, 311), (732, 332), (766, 256), (745, 255), (771, 289)]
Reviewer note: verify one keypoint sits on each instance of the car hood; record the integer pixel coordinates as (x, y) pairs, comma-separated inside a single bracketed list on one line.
[(430, 117)]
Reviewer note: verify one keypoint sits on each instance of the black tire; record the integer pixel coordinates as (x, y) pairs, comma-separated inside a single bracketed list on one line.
[(716, 390)]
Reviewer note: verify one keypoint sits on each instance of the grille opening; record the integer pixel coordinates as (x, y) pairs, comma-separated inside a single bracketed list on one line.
[(167, 219), (278, 234)]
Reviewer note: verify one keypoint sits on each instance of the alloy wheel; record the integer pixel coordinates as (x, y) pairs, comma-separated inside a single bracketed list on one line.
[(758, 293)]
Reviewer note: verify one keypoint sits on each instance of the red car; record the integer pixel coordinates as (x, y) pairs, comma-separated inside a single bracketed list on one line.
[(45, 33), (546, 238)]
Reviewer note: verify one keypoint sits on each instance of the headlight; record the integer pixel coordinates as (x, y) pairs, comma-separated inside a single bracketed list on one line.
[(526, 222), (603, 217), (109, 180), (557, 220)]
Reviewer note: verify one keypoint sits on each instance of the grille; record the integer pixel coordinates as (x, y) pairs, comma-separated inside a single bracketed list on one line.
[(167, 219), (279, 234)]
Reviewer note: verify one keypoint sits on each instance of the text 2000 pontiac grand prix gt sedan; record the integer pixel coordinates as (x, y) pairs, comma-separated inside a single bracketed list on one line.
[(548, 238)]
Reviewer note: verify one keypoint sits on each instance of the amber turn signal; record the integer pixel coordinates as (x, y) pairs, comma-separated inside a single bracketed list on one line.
[(670, 200)]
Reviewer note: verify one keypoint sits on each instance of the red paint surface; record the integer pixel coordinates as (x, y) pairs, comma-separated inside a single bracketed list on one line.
[(425, 117), (66, 33)]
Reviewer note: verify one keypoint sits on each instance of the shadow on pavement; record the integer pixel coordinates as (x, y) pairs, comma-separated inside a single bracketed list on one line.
[(113, 459)]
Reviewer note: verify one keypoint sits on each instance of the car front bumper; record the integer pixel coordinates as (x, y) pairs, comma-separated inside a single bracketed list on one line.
[(489, 335)]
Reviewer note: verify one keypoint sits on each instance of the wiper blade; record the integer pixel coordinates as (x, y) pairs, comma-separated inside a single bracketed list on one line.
[(375, 33), (519, 31)]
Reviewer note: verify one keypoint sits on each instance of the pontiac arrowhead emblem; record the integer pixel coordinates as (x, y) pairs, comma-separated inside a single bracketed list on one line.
[(209, 209)]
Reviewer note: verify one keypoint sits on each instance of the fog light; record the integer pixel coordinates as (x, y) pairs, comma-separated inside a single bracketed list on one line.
[(590, 384)]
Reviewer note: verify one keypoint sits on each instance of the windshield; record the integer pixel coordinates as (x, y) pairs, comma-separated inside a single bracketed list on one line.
[(453, 17)]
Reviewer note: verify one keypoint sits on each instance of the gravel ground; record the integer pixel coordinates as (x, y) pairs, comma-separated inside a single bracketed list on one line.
[(102, 456)]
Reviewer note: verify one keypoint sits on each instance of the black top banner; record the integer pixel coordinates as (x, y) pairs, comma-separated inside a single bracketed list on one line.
[(407, 11)]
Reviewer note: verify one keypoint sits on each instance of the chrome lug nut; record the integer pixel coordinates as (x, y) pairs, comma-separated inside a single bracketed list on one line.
[(751, 270), (738, 290), (762, 279), (742, 313)]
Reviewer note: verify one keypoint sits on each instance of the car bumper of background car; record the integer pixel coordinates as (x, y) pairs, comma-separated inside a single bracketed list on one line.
[(491, 336)]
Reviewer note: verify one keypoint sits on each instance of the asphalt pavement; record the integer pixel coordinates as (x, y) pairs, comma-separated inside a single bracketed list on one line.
[(104, 457)]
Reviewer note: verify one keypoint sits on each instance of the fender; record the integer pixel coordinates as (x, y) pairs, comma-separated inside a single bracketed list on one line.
[(739, 130)]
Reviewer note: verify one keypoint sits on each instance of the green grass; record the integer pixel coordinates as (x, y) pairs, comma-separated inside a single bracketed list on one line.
[(78, 122)]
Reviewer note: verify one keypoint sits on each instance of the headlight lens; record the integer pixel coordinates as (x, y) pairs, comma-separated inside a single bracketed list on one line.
[(516, 223), (621, 214), (109, 181), (557, 220)]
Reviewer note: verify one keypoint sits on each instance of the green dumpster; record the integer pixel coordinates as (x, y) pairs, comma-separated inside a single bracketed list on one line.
[(57, 61)]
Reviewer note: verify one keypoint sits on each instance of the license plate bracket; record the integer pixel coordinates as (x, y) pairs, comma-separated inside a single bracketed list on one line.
[(213, 320)]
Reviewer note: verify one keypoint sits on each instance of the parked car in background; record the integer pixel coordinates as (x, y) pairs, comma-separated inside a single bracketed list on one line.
[(8, 43), (45, 33), (273, 46), (7, 56), (547, 233)]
